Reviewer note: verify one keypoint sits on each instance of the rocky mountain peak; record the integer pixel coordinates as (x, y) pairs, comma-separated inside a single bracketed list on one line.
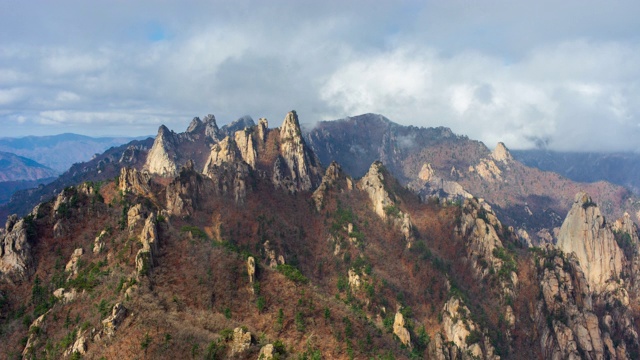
[(373, 183), (501, 153), (297, 168), (263, 127), (333, 177), (224, 151), (237, 125), (211, 130), (586, 233), (195, 124), (290, 128), (161, 159), (206, 127)]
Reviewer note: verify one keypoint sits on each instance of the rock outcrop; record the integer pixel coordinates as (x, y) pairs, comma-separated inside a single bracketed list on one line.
[(480, 227), (297, 168), (501, 153), (72, 265), (34, 330), (429, 185), (226, 151), (625, 232), (229, 166), (59, 229), (230, 178), (263, 128), (237, 125), (271, 257), (206, 128), (586, 234), (186, 192), (575, 323), (134, 181), (162, 157), (15, 250), (241, 341), (400, 330), (135, 216), (110, 324), (383, 202), (464, 332), (426, 172), (64, 295), (334, 178), (354, 280), (373, 183), (266, 352), (251, 268), (246, 146), (171, 151), (145, 258)]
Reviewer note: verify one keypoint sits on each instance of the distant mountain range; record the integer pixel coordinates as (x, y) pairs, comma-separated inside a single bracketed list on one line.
[(14, 167), (617, 168), (59, 152)]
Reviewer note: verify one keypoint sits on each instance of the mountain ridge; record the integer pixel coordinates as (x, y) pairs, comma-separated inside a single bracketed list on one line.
[(256, 254)]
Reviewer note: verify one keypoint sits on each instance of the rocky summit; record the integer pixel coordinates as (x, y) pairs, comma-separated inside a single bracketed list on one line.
[(236, 242)]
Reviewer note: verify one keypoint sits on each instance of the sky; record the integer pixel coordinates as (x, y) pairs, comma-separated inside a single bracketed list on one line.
[(564, 75)]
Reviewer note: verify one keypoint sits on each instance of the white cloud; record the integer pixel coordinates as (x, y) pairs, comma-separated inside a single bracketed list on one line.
[(11, 95), (497, 71), (543, 96)]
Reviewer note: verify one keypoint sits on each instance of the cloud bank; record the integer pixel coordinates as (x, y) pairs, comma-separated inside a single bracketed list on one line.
[(563, 76)]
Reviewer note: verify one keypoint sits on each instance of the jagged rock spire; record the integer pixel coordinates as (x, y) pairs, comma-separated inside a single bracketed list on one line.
[(373, 184), (195, 124), (501, 153), (299, 169), (161, 159), (211, 129)]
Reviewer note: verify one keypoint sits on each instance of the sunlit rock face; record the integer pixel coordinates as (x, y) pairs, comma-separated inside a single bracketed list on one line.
[(586, 234)]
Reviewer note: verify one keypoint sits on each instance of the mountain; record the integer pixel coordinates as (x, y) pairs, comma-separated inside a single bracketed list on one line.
[(262, 253), (8, 188), (14, 167), (617, 168), (102, 167), (17, 173), (435, 162), (59, 152)]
